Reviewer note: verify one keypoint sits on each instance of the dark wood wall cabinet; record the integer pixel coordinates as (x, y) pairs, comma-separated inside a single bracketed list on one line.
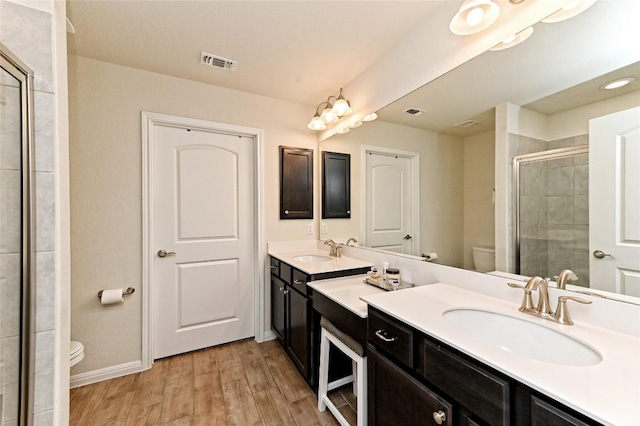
[(414, 379), (296, 183), (336, 185)]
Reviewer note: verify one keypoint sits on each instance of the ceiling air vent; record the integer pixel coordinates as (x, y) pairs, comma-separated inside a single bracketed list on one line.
[(466, 123), (217, 61), (415, 111)]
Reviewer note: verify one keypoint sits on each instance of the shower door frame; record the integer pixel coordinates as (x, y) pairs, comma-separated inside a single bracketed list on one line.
[(535, 157), (14, 66)]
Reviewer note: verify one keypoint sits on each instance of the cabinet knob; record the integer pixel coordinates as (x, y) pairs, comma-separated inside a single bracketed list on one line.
[(281, 288), (439, 417), (286, 212)]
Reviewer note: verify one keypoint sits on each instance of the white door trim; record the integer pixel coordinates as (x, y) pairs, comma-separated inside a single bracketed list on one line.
[(149, 120), (414, 158)]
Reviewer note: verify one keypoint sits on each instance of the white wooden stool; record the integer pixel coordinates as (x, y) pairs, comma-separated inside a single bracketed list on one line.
[(331, 335)]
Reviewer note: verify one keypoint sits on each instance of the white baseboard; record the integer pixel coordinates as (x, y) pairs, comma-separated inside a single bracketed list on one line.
[(105, 374), (268, 335)]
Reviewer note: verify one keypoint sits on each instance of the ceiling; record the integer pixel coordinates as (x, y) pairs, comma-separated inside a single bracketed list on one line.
[(299, 51)]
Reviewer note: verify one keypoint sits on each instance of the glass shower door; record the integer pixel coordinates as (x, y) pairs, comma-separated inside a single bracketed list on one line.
[(15, 293)]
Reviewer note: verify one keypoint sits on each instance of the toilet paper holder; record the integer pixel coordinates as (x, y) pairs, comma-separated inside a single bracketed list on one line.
[(126, 292)]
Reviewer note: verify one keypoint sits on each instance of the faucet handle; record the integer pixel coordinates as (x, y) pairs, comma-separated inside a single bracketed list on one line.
[(527, 303), (562, 312)]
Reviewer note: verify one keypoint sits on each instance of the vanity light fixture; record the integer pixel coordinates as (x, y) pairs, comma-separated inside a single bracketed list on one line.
[(370, 117), (617, 83), (569, 11), (331, 112), (356, 124), (474, 16), (345, 130), (513, 40)]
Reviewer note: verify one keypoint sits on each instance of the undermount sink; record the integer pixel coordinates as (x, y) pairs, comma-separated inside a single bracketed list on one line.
[(313, 258), (522, 337)]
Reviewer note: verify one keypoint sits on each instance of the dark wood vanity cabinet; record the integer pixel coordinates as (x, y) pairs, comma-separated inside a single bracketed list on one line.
[(296, 183), (291, 314), (336, 185), (416, 378)]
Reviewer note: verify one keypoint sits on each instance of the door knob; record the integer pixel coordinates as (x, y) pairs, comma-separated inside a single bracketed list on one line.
[(164, 253), (407, 237), (599, 254)]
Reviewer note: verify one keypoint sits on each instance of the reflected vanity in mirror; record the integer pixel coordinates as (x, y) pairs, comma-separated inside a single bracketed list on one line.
[(466, 128)]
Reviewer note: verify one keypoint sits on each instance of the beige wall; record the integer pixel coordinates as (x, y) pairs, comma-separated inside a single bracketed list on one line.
[(479, 225), (105, 102), (441, 184)]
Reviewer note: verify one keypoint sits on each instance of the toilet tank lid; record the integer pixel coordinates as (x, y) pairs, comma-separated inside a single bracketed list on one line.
[(75, 347), (486, 249)]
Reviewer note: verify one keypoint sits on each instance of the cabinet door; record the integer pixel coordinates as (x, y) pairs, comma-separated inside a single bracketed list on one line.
[(278, 307), (396, 398), (296, 183), (298, 335), (336, 185)]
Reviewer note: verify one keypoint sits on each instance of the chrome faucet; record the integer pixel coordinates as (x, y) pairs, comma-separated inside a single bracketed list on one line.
[(335, 249), (543, 310), (351, 240), (564, 277)]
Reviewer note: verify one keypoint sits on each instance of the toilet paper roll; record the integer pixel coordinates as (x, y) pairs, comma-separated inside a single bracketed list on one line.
[(431, 256), (109, 297)]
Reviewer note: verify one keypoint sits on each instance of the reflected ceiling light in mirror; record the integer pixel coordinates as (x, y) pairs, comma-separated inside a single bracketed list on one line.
[(370, 117), (513, 40), (569, 11), (474, 16), (615, 84), (331, 112), (343, 131), (356, 124)]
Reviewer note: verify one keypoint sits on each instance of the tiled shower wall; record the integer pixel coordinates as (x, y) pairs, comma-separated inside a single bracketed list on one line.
[(554, 209), (28, 33)]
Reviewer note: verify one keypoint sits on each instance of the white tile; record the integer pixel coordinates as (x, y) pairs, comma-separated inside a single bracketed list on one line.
[(27, 33), (45, 291), (10, 376), (10, 129), (45, 211), (10, 288), (44, 145), (43, 392), (10, 211)]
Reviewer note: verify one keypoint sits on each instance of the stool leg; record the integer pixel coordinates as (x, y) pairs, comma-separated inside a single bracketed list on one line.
[(354, 369), (362, 392), (324, 370)]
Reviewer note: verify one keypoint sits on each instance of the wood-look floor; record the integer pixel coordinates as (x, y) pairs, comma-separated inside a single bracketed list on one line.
[(242, 383)]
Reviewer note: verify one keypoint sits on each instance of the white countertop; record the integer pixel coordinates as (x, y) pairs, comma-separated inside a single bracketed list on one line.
[(608, 392), (335, 264), (347, 292)]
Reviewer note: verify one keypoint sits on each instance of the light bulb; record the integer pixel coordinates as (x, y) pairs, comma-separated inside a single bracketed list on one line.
[(341, 107), (474, 17), (316, 123), (329, 116)]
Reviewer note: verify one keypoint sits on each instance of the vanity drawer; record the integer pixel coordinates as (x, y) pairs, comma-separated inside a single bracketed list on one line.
[(391, 337), (285, 272), (299, 281), (477, 389), (275, 266)]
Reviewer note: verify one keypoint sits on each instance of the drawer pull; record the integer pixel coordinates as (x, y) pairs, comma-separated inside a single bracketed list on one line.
[(298, 282), (384, 336), (281, 288), (439, 417), (274, 266)]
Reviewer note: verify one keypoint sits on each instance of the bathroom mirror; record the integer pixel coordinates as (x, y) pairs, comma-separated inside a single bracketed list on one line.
[(556, 74)]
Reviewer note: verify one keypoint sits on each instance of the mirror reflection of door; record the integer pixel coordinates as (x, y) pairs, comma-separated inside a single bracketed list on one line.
[(614, 191), (391, 204)]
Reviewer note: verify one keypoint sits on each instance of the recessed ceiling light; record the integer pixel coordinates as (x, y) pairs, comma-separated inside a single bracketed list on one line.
[(617, 83), (513, 40)]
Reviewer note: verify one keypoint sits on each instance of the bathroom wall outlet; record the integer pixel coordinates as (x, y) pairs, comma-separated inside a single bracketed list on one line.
[(310, 228), (325, 228)]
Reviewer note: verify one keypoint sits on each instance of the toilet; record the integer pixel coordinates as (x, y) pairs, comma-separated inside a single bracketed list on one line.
[(76, 353), (484, 259)]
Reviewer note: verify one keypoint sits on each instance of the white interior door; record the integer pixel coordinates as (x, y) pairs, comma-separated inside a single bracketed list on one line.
[(614, 206), (203, 218), (389, 204)]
